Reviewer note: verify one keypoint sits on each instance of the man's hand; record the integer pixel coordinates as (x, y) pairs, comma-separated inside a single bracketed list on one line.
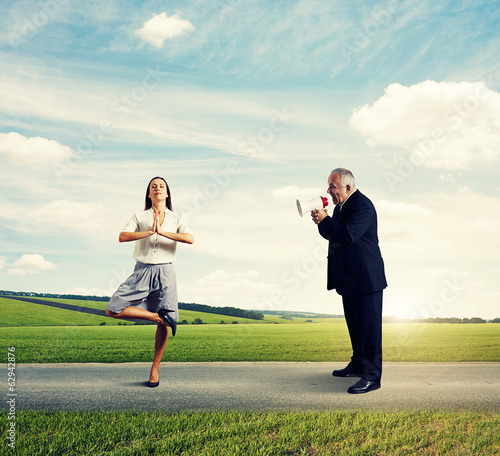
[(318, 215)]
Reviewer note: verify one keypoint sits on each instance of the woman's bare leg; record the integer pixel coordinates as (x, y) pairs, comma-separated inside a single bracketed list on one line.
[(161, 337), (133, 313)]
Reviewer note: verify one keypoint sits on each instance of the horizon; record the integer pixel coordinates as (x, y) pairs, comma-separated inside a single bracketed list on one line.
[(244, 107), (5, 293)]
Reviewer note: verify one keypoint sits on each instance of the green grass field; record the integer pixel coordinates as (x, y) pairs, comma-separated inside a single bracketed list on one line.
[(47, 335), (43, 334), (326, 341), (257, 433), (19, 313)]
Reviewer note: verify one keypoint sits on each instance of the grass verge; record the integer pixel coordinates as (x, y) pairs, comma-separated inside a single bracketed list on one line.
[(257, 433)]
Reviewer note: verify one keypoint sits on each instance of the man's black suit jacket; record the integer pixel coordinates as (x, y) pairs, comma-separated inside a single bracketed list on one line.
[(355, 264)]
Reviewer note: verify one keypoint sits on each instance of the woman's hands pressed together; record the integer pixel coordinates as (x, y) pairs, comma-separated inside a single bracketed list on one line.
[(158, 218), (157, 222)]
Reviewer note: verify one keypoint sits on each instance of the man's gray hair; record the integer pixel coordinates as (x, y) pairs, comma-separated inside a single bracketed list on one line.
[(346, 177)]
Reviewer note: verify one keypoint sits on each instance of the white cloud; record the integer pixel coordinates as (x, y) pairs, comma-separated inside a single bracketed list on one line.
[(439, 254), (16, 271), (436, 274), (90, 220), (443, 125), (151, 112), (438, 226), (221, 288), (386, 208), (31, 151), (3, 262), (294, 190), (31, 264), (400, 221), (249, 228), (494, 295), (87, 218), (161, 27), (88, 291), (448, 177)]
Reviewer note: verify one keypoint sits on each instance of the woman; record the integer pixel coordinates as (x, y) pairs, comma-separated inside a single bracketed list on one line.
[(150, 293)]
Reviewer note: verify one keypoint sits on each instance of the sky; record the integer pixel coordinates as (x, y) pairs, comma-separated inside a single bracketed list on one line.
[(245, 106)]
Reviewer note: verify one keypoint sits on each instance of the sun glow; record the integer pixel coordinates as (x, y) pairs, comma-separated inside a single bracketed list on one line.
[(404, 308)]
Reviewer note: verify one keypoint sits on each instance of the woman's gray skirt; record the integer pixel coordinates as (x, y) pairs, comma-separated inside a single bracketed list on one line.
[(151, 287)]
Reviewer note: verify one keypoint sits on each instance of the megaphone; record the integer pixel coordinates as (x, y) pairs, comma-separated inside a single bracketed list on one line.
[(317, 203)]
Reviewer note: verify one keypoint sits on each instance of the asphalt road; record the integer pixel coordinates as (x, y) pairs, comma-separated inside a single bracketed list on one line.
[(60, 305), (251, 386)]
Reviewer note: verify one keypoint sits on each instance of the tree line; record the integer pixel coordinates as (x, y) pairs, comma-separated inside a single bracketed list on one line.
[(229, 311)]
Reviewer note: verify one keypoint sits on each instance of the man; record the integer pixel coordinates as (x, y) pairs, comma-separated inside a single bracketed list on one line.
[(356, 271)]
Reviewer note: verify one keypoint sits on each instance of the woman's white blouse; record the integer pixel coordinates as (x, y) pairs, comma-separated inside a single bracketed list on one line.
[(156, 249)]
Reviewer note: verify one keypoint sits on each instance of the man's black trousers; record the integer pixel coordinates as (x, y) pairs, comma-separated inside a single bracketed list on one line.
[(363, 314)]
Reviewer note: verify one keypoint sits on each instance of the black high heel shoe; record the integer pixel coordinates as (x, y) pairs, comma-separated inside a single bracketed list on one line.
[(153, 384), (163, 313)]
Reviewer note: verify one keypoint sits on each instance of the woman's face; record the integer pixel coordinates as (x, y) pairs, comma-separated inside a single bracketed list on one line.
[(158, 190)]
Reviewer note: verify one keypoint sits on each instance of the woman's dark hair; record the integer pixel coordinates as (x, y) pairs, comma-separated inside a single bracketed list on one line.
[(148, 204)]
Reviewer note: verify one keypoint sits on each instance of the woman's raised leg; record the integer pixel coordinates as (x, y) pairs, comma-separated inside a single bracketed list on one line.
[(133, 313)]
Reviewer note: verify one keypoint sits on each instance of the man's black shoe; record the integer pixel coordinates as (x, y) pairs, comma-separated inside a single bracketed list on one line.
[(347, 372), (163, 313), (363, 385)]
